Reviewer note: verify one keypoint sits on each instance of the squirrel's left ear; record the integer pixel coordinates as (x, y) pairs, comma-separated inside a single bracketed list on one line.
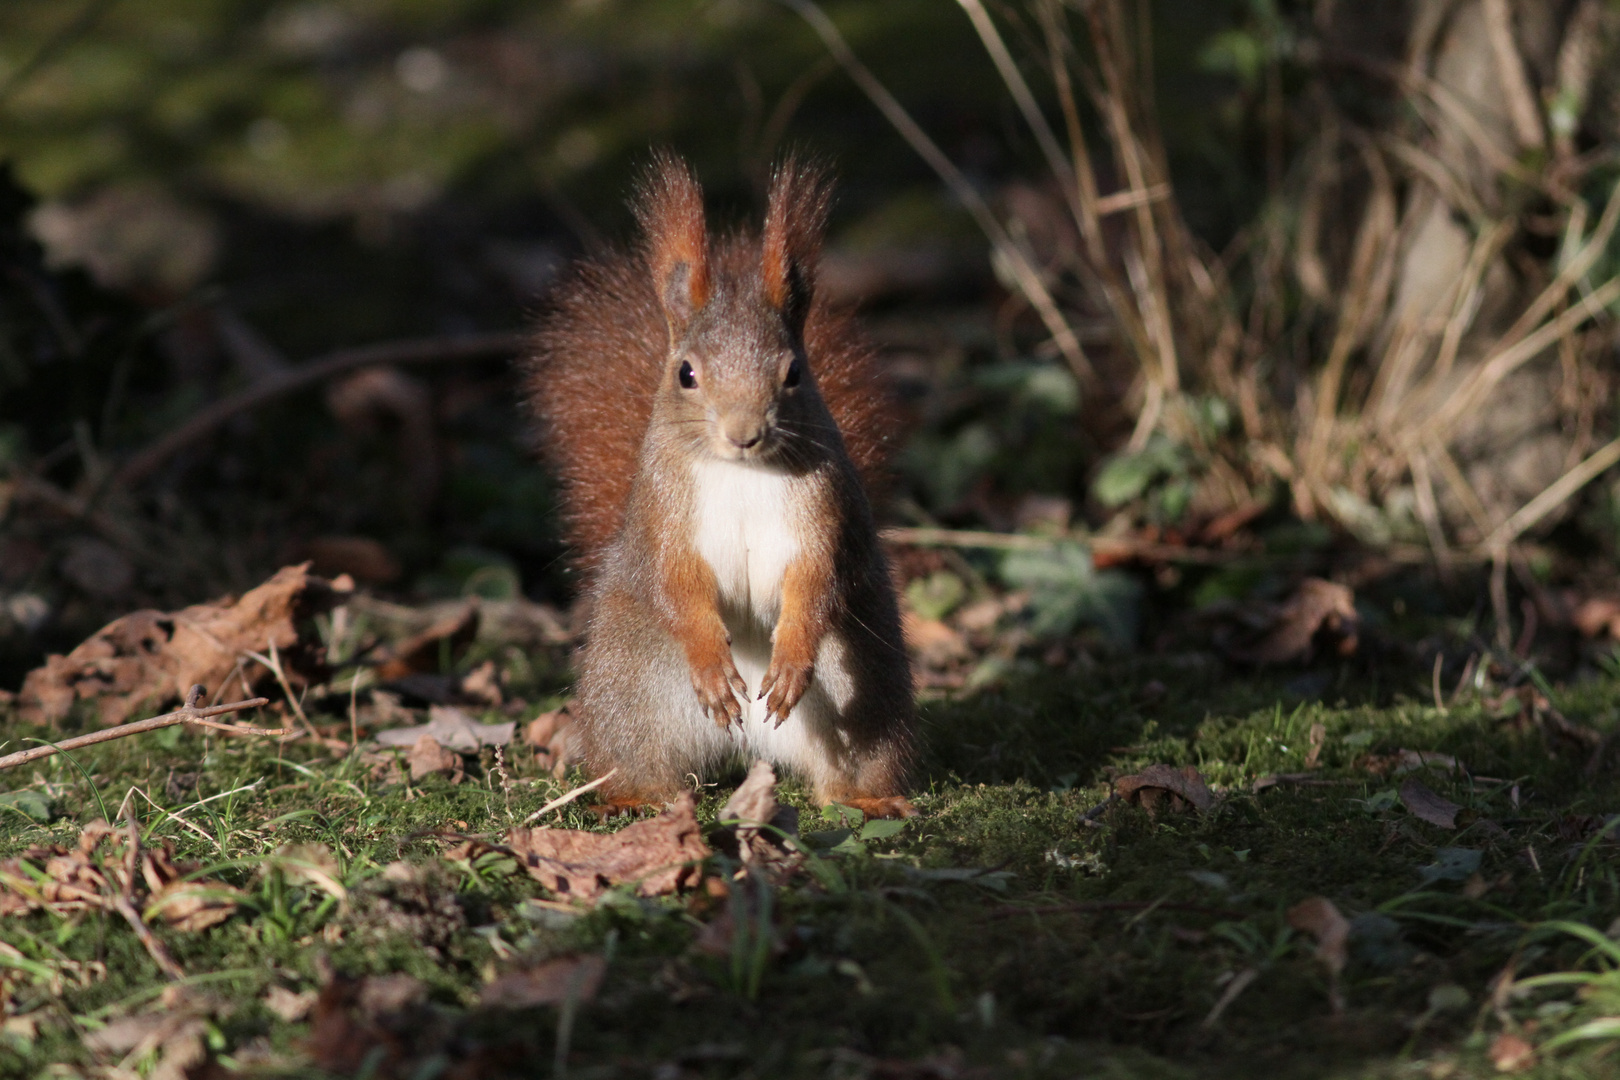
[(801, 194)]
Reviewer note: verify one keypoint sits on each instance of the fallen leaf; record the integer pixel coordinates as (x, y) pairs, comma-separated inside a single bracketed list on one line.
[(291, 1005), (1402, 762), (554, 982), (151, 658), (1183, 787), (190, 906), (657, 856), (551, 734), (1510, 1053), (934, 644), (483, 683), (1318, 610), (176, 1038), (1425, 805), (423, 652), (380, 1022), (90, 874), (310, 864), (758, 822), (1597, 615), (1318, 738), (428, 758), (1320, 918), (453, 729)]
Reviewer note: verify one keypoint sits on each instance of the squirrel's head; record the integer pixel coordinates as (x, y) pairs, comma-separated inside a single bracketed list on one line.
[(737, 381)]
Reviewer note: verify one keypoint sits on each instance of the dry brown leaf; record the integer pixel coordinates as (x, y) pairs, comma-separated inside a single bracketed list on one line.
[(1318, 609), (1183, 787), (382, 1022), (1597, 615), (291, 1005), (483, 683), (551, 736), (428, 758), (1425, 805), (310, 864), (760, 822), (1511, 1053), (935, 644), (1318, 739), (554, 982), (1320, 918), (422, 652), (89, 875), (1402, 762), (452, 729), (657, 856), (151, 658), (177, 1036)]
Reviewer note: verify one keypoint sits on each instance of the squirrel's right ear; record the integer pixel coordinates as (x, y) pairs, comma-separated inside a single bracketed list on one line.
[(669, 206)]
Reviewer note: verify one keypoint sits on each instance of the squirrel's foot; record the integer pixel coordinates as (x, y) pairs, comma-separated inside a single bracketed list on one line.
[(886, 806), (783, 687), (614, 805), (721, 691)]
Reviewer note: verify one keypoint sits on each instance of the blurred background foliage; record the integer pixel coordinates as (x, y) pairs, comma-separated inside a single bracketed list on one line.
[(204, 194)]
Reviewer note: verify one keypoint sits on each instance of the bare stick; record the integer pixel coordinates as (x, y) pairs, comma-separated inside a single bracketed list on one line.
[(154, 947), (200, 426), (564, 800), (188, 714), (123, 902)]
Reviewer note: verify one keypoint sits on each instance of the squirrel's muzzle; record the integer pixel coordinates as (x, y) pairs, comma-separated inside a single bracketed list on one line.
[(743, 433)]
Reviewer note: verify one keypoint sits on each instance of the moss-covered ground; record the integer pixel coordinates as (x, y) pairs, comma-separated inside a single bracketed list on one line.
[(1004, 932)]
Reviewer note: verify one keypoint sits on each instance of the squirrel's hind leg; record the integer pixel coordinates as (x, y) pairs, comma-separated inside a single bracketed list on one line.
[(857, 739), (638, 714)]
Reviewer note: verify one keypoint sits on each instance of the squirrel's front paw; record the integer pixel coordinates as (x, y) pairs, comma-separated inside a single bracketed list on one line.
[(721, 691), (784, 684)]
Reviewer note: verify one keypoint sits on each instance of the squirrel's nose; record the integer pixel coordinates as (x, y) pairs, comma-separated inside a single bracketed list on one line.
[(742, 434)]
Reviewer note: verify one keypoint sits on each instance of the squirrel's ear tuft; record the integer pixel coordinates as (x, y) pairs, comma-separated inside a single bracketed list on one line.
[(669, 206), (801, 193)]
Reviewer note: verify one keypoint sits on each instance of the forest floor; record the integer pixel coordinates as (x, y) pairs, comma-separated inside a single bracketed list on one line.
[(1023, 925)]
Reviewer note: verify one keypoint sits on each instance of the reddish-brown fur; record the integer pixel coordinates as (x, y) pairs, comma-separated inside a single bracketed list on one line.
[(592, 416)]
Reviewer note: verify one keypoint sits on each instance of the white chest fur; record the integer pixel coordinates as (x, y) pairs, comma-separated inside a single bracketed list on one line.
[(745, 531)]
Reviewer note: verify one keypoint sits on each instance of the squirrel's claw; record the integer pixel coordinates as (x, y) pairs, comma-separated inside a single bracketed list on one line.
[(782, 688), (718, 691)]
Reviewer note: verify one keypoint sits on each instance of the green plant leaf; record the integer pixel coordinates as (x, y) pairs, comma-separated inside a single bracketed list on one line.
[(881, 828), (30, 802)]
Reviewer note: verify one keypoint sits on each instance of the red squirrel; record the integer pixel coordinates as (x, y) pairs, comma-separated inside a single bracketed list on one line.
[(714, 425)]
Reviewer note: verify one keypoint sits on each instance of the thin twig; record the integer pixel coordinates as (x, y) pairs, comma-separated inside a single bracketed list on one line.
[(184, 715), (200, 426), (123, 902), (154, 947), (564, 800)]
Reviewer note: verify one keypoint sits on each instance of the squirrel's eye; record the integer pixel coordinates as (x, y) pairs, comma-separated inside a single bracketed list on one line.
[(688, 377), (792, 378)]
